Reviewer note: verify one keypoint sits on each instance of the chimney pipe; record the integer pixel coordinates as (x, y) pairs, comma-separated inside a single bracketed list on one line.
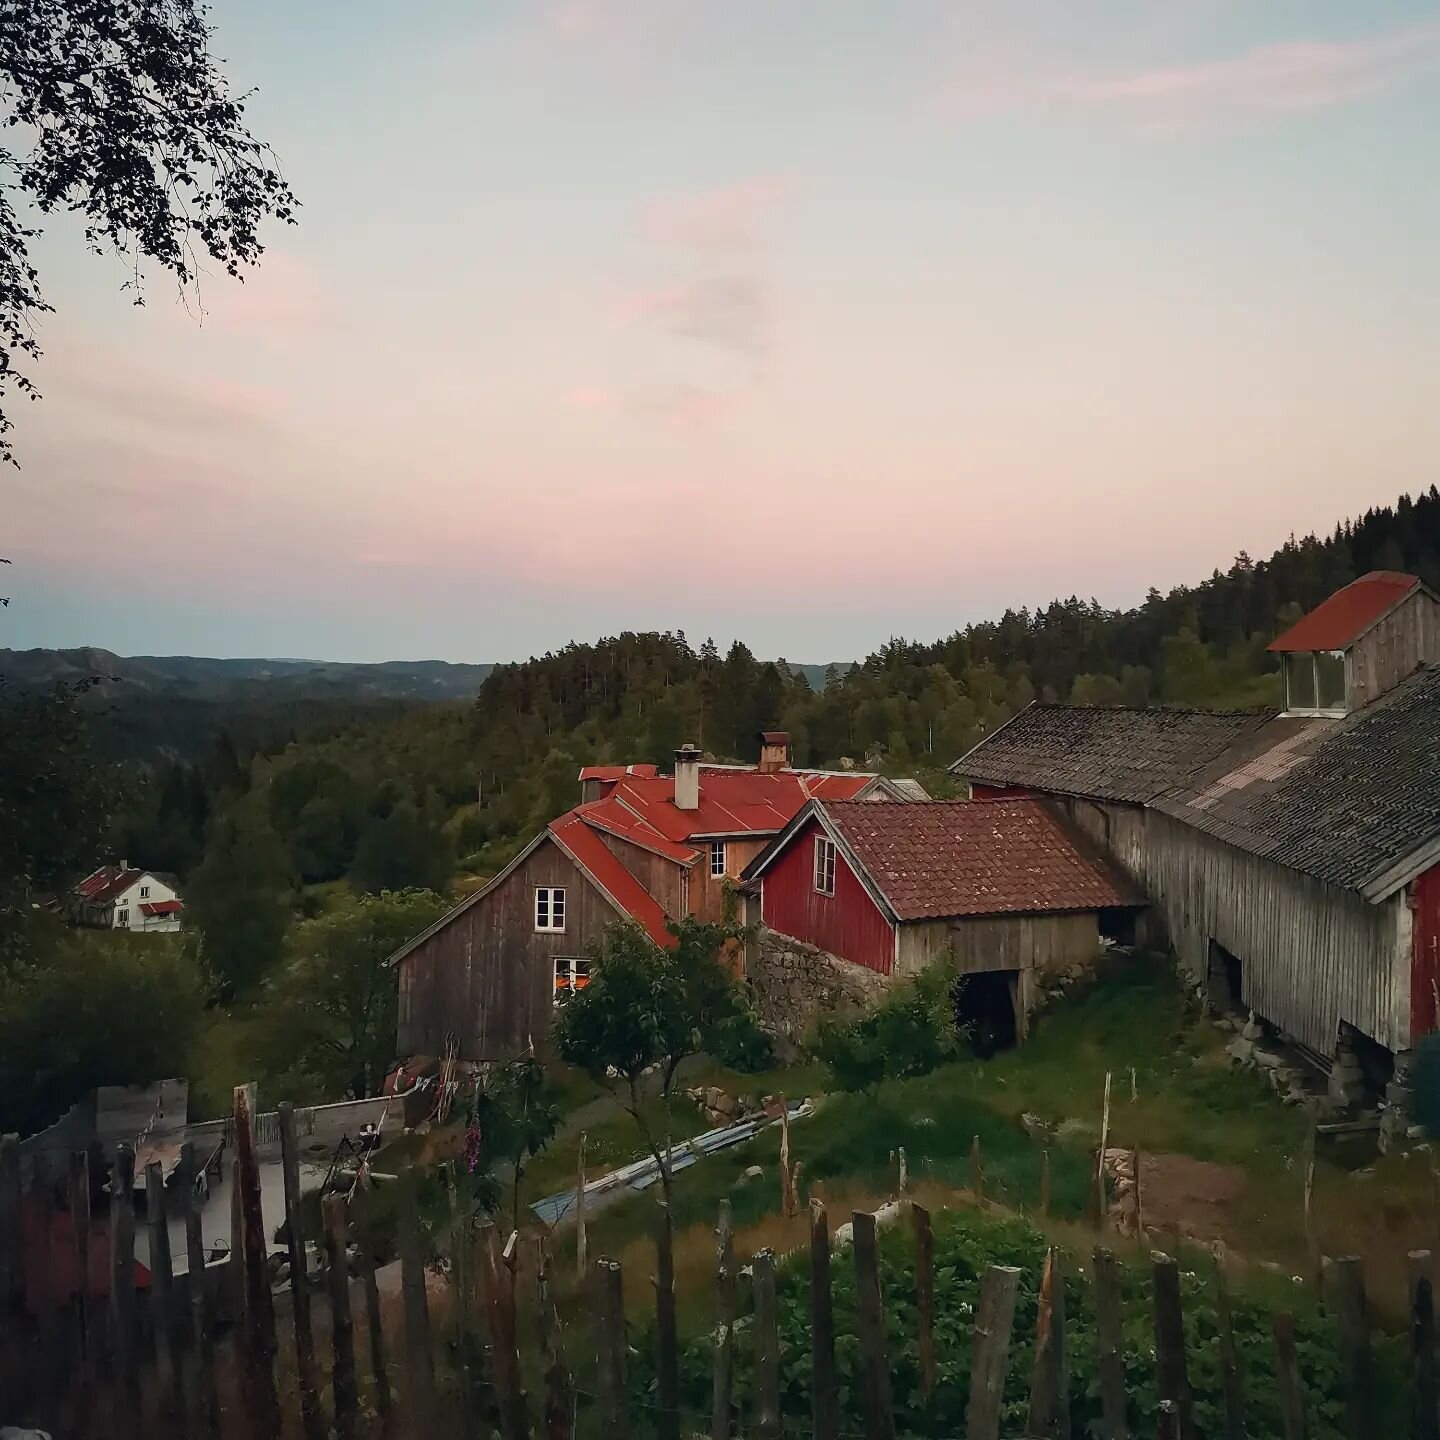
[(774, 751), (687, 778)]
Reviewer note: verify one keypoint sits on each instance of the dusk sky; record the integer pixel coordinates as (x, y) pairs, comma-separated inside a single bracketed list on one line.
[(810, 322)]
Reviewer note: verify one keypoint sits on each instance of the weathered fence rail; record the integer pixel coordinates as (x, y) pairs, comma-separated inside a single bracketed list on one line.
[(153, 1360)]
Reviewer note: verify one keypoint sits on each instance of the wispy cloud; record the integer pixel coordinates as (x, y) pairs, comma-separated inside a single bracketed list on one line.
[(1278, 78), (728, 311)]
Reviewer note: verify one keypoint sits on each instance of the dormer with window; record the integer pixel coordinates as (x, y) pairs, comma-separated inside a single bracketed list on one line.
[(1362, 641)]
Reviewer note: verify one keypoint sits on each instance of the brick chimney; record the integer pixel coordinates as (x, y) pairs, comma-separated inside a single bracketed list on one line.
[(774, 751), (687, 778)]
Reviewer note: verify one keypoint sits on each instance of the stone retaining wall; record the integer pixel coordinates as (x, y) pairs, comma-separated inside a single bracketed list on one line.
[(792, 984)]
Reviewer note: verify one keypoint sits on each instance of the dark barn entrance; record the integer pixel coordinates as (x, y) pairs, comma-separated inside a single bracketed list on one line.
[(985, 1010)]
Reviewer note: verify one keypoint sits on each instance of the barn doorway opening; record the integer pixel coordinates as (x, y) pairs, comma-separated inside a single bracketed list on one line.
[(1225, 983), (985, 1010)]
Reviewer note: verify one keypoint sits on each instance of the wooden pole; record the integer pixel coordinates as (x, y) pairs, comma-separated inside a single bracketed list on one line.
[(1100, 1159), (1050, 1378), (994, 1317), (259, 1329), (667, 1336), (379, 1367), (1173, 1376), (870, 1330), (1231, 1380), (311, 1418), (124, 1341), (420, 1358), (721, 1389), (1347, 1276), (504, 1338), (202, 1344), (977, 1171), (924, 1299), (559, 1403), (788, 1199), (1167, 1425), (342, 1327), (824, 1391), (1287, 1378), (767, 1347), (1307, 1207), (611, 1349), (581, 1264), (1110, 1346), (14, 1346), (1139, 1203), (162, 1294), (1426, 1423), (1045, 1181)]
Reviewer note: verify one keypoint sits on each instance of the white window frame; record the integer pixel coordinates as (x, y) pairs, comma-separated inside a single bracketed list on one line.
[(122, 918), (569, 969), (717, 852), (548, 925), (144, 892), (1329, 711), (823, 873)]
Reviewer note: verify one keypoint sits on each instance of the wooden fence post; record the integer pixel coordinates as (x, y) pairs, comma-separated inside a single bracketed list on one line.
[(1045, 1181), (201, 1345), (767, 1347), (310, 1415), (259, 1329), (14, 1360), (611, 1348), (162, 1296), (1050, 1378), (722, 1386), (379, 1368), (1347, 1276), (977, 1171), (342, 1327), (1307, 1207), (994, 1317), (1422, 1346), (1110, 1346), (824, 1391), (123, 1319), (1232, 1381), (420, 1358), (1167, 1425), (870, 1330), (580, 1258), (504, 1339), (924, 1299), (1287, 1378), (1172, 1374), (1100, 1160), (667, 1338), (559, 1404)]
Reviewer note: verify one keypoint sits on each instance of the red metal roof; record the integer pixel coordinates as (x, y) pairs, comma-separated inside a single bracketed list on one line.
[(938, 858), (612, 815), (616, 772), (106, 883), (160, 907), (1336, 623), (588, 850)]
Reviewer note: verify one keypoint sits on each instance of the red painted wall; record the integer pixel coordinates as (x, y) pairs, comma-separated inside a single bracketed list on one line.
[(1425, 966), (847, 923), (1002, 792)]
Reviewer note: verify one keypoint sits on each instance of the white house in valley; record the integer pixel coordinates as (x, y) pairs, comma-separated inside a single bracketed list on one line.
[(119, 897)]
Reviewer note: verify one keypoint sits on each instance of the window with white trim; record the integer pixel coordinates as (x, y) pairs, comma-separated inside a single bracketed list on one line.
[(1315, 682), (144, 892), (122, 917), (824, 865), (717, 859), (549, 907), (570, 975)]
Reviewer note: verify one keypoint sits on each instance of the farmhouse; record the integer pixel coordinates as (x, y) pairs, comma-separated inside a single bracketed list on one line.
[(117, 897), (642, 847), (1291, 859), (1004, 887)]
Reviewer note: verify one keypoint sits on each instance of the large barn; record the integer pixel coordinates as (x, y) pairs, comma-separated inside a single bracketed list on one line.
[(1292, 860)]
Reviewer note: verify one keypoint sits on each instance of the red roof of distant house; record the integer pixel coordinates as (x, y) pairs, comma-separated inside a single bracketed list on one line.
[(588, 850), (101, 887), (1336, 623), (160, 907), (616, 772), (938, 858)]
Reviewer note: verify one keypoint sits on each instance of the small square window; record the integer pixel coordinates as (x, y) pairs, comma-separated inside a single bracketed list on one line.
[(717, 859), (549, 907), (824, 865)]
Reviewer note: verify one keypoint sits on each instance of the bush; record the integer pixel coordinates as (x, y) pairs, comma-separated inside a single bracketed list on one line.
[(739, 1043)]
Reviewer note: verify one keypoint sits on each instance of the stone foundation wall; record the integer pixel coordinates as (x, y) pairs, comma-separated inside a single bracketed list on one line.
[(792, 984)]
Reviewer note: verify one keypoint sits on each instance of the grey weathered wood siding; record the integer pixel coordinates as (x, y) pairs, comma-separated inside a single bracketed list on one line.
[(1312, 955), (1382, 657), (666, 880), (1001, 942), (488, 977)]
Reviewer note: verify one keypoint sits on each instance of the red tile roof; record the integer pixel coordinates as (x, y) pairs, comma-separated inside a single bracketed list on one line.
[(938, 858), (160, 907), (1336, 623), (588, 851), (101, 887)]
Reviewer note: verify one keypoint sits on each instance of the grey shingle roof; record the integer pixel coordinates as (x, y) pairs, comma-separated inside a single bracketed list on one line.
[(1106, 753), (1342, 800)]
